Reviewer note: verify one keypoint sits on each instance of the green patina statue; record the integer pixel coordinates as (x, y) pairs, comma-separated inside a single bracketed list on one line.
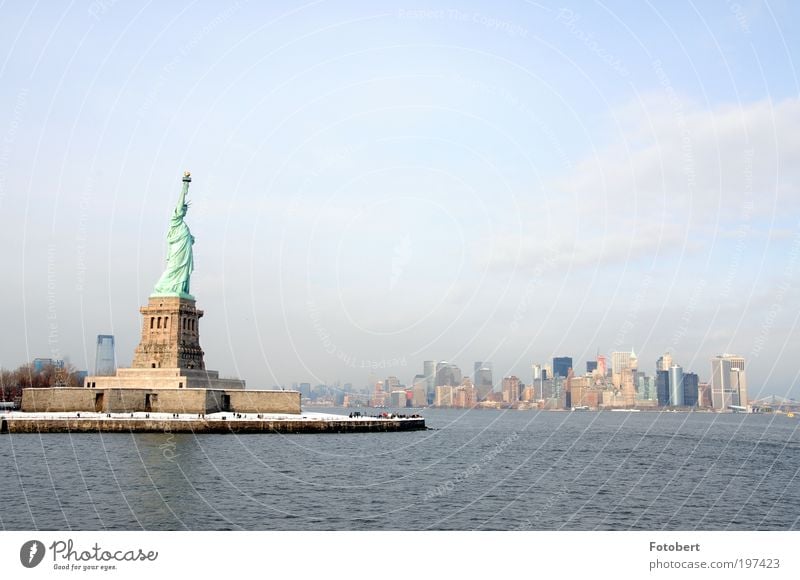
[(180, 260)]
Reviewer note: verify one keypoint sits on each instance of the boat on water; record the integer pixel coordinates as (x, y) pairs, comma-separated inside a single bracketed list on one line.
[(581, 408), (627, 410)]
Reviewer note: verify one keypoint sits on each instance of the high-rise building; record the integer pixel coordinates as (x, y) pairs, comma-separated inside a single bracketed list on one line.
[(398, 399), (429, 370), (691, 389), (602, 366), (444, 396), (619, 362), (591, 366), (465, 395), (448, 374), (419, 389), (676, 386), (104, 360), (511, 389), (561, 366), (728, 381), (536, 370), (391, 384), (645, 387), (664, 362), (483, 381), (481, 365), (628, 387), (624, 360), (39, 364), (704, 395), (662, 388), (378, 395)]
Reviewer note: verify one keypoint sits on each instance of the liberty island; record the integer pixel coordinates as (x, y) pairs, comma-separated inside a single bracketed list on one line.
[(167, 386)]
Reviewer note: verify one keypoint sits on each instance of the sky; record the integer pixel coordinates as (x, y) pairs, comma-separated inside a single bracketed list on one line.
[(376, 184)]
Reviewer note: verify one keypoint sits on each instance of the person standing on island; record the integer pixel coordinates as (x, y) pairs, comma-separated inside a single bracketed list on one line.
[(180, 259)]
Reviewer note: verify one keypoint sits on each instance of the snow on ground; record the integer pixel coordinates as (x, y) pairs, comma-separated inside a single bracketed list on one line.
[(227, 416)]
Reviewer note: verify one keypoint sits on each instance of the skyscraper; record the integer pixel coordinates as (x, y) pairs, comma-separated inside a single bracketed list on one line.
[(664, 362), (104, 360), (676, 386), (662, 388), (481, 365), (728, 381), (691, 389), (619, 362), (510, 389), (483, 380), (447, 374), (419, 387), (602, 366), (591, 365), (429, 370), (561, 366)]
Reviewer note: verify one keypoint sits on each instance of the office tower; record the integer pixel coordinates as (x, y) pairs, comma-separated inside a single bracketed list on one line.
[(561, 366), (691, 389), (619, 362), (444, 396), (465, 395), (579, 393), (704, 395), (398, 399), (624, 360), (39, 364), (481, 365), (591, 366), (645, 387), (662, 388), (628, 387), (483, 382), (391, 384), (510, 389), (448, 374), (538, 375), (664, 362), (429, 370), (728, 381), (676, 386), (104, 360), (602, 366), (419, 387)]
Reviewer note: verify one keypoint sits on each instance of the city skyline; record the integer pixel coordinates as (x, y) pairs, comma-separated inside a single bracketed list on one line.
[(504, 183)]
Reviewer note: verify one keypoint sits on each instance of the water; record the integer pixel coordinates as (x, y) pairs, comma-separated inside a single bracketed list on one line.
[(495, 470)]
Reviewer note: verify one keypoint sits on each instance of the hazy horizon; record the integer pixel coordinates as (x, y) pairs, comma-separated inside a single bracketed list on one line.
[(383, 182)]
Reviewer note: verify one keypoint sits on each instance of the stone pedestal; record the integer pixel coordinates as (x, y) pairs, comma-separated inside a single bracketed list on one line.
[(170, 335), (169, 354)]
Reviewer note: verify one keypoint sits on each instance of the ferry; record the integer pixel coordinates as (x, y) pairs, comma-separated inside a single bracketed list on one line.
[(581, 408)]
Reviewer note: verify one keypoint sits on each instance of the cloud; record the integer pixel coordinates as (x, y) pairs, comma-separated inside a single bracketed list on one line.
[(679, 157), (673, 176)]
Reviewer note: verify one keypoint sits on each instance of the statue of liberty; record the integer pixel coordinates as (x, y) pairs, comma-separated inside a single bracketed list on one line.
[(180, 260)]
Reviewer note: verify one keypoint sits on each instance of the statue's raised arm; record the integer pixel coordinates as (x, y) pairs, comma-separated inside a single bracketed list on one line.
[(182, 207), (180, 259)]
